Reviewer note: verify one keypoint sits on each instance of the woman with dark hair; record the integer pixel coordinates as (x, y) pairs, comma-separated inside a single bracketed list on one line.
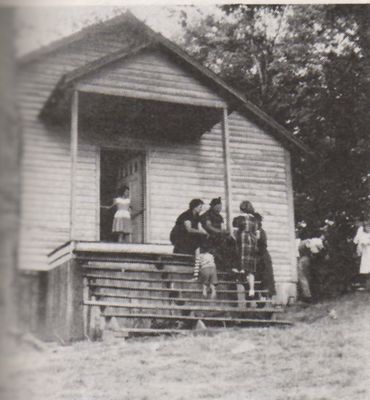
[(212, 220), (185, 235), (222, 243), (246, 241), (264, 270)]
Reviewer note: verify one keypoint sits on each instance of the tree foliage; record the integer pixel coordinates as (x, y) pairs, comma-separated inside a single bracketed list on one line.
[(308, 67)]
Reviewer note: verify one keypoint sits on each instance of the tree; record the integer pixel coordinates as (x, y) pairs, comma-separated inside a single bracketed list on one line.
[(307, 66)]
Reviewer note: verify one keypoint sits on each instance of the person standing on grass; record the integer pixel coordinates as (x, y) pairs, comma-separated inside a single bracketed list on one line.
[(205, 268), (362, 240), (246, 240), (186, 235), (308, 250)]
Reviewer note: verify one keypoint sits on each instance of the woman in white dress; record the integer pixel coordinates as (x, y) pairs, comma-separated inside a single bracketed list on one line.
[(362, 240), (122, 218)]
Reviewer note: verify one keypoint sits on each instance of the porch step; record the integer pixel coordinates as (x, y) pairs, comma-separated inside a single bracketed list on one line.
[(151, 280), (105, 304), (188, 272), (149, 332), (133, 332), (176, 299), (224, 320), (158, 296), (131, 258), (166, 290)]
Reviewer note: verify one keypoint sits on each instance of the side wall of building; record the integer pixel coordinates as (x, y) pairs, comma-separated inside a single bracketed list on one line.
[(261, 173), (175, 172), (45, 167)]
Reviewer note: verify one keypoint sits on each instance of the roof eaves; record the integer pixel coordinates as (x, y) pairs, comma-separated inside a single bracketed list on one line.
[(74, 37), (67, 80), (104, 61), (247, 105)]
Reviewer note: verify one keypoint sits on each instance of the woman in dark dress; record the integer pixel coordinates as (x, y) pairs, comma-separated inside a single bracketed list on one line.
[(185, 235), (223, 244), (264, 267), (246, 241)]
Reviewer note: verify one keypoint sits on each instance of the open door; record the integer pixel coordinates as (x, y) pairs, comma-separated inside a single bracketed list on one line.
[(133, 177), (118, 168)]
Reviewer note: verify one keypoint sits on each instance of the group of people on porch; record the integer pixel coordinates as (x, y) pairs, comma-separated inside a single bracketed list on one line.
[(243, 252)]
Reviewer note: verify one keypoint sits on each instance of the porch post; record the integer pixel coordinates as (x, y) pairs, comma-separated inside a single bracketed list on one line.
[(227, 168), (74, 149)]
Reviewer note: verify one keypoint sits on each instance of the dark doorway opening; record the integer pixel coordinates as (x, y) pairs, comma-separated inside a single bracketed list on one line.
[(119, 168)]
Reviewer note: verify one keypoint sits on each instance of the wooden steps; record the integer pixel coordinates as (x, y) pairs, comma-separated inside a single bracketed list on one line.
[(158, 261), (104, 304), (135, 332), (150, 332), (224, 320), (158, 296), (175, 299), (165, 289), (149, 280), (187, 271)]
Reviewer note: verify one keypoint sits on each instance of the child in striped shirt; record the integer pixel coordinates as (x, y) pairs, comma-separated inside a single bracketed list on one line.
[(205, 268)]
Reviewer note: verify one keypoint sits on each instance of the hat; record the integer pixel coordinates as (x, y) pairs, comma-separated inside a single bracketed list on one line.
[(246, 207), (215, 201)]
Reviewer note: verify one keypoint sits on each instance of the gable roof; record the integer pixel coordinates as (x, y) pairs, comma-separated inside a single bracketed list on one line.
[(152, 38)]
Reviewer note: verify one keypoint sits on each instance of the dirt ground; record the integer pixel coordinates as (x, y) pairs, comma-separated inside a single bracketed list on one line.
[(324, 356)]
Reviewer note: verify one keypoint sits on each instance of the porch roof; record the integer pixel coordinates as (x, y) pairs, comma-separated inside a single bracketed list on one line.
[(151, 39)]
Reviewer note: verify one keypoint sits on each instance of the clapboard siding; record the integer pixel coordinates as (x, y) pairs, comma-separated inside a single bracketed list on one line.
[(163, 79), (263, 183), (45, 177)]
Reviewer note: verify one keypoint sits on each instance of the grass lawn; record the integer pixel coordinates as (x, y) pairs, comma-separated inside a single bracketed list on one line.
[(319, 358)]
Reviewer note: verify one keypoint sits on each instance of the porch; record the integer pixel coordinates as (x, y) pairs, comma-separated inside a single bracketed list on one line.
[(138, 289), (154, 147)]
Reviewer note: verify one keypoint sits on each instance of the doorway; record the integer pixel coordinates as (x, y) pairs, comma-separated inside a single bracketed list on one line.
[(119, 168)]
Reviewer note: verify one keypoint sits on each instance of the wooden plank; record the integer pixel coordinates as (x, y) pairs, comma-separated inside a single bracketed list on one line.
[(156, 252), (175, 299), (175, 271), (164, 290), (147, 95), (128, 260), (147, 197), (152, 280), (74, 160), (205, 319), (125, 332), (291, 218), (128, 265), (180, 308), (97, 185)]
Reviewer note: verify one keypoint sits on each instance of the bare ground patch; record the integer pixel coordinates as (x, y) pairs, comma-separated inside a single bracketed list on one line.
[(320, 358)]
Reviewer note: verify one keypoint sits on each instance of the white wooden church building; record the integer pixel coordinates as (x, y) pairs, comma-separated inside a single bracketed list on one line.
[(118, 101)]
